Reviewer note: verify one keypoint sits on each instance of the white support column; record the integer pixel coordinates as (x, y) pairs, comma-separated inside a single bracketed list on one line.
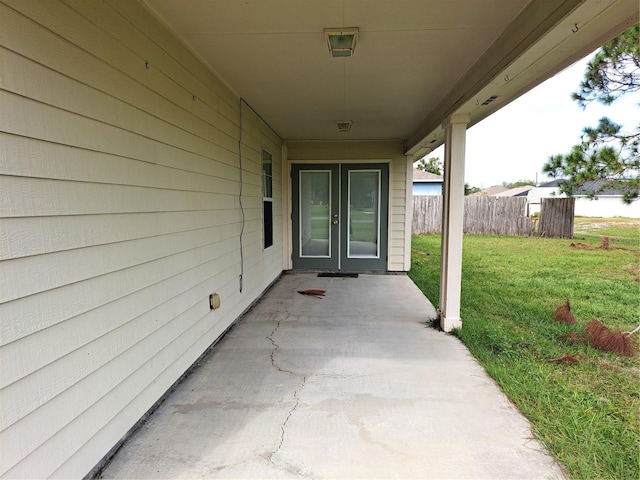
[(287, 263), (408, 220), (452, 221)]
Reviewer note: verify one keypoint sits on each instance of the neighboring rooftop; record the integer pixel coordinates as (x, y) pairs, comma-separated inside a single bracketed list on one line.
[(515, 192), (587, 188), (551, 184), (422, 176), (491, 191)]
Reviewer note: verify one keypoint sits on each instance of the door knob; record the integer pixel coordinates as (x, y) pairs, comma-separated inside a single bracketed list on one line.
[(335, 222)]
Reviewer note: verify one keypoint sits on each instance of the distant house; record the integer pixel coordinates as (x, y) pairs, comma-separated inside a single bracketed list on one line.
[(500, 191), (425, 183), (607, 204), (545, 190), (515, 192), (491, 191)]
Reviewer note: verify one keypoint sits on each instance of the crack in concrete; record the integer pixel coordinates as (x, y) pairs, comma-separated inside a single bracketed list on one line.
[(276, 347), (283, 427), (296, 396)]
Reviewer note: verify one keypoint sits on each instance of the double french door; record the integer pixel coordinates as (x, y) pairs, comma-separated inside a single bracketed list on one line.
[(340, 216)]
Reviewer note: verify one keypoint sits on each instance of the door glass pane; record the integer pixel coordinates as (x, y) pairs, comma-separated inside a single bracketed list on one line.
[(364, 214), (315, 193)]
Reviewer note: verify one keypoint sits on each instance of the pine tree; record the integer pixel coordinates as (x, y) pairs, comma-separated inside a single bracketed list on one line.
[(607, 157)]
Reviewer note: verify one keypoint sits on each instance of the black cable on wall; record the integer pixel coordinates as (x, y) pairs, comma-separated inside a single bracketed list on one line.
[(240, 195)]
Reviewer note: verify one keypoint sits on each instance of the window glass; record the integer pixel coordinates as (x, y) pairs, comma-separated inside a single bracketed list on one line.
[(267, 198), (315, 195), (364, 214)]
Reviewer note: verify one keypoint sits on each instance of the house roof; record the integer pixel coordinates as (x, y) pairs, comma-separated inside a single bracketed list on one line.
[(416, 62), (515, 192), (588, 187), (552, 183), (491, 191), (420, 176)]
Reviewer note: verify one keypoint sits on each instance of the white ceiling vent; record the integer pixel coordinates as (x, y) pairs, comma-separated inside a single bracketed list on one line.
[(489, 100), (344, 125)]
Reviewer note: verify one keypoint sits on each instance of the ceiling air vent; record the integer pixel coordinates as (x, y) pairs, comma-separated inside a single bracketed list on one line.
[(344, 126), (489, 100)]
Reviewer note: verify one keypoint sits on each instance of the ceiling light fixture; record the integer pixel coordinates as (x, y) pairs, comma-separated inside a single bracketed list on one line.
[(341, 41)]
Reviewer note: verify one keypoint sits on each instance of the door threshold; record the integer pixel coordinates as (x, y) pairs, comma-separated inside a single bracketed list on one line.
[(338, 274)]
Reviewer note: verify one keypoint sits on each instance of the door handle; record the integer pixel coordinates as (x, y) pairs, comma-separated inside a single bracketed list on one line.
[(335, 222)]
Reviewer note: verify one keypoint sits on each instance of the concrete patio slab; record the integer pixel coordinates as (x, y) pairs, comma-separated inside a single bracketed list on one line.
[(353, 385)]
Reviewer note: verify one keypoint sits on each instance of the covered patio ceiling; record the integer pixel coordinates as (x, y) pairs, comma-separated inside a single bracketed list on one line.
[(415, 62)]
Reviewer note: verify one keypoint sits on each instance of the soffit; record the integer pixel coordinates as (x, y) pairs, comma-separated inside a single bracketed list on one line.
[(409, 68)]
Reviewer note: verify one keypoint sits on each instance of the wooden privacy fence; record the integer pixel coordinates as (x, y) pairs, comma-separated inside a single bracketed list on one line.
[(495, 216), (427, 214), (556, 217)]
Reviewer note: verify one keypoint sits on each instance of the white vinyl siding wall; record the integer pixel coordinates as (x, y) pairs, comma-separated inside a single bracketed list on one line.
[(373, 151), (119, 215)]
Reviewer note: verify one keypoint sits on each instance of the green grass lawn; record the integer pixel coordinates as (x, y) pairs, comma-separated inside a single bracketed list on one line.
[(363, 226), (587, 413), (619, 230)]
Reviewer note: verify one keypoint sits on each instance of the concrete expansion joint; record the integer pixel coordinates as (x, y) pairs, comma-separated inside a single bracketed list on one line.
[(344, 375)]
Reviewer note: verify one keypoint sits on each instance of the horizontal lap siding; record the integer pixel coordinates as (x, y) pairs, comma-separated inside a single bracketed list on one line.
[(397, 227), (119, 215)]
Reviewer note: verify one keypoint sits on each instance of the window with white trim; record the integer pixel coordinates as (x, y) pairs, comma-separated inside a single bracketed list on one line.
[(267, 198)]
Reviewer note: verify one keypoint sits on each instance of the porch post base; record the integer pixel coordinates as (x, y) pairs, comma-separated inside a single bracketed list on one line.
[(449, 323)]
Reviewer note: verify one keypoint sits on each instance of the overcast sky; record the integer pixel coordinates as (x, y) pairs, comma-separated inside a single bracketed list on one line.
[(514, 143)]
